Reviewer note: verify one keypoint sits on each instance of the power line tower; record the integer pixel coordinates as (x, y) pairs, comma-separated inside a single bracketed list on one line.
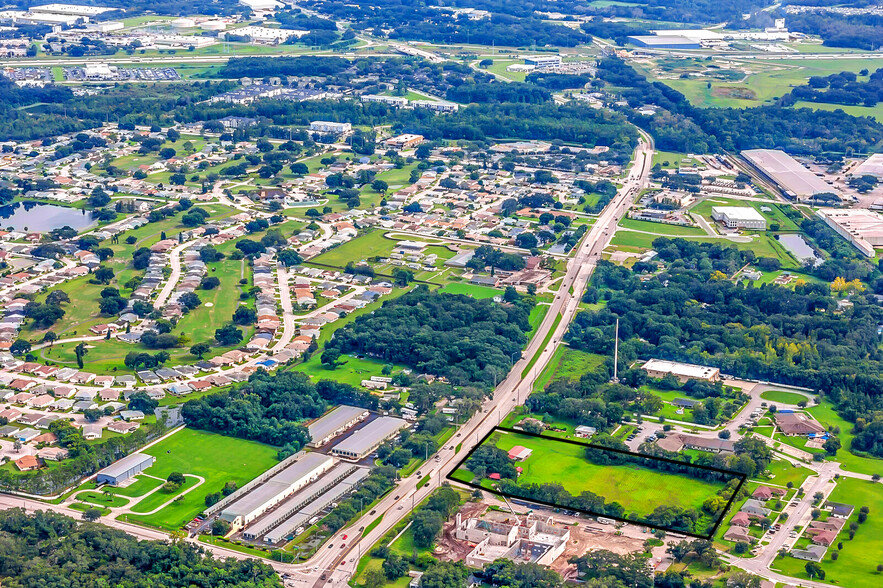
[(615, 379)]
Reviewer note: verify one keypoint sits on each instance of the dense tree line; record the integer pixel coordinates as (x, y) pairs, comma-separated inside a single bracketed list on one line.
[(268, 407), (680, 126), (840, 88), (49, 549), (460, 338), (860, 31), (494, 91)]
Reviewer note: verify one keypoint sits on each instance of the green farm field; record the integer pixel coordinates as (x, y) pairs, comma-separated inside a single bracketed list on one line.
[(216, 458), (639, 490)]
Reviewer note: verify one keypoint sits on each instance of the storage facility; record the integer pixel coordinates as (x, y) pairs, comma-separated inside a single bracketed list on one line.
[(276, 489), (664, 42), (122, 470), (787, 173), (738, 217), (364, 441), (329, 426)]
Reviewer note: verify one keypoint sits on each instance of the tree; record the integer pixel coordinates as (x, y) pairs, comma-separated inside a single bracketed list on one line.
[(244, 315), (80, 352), (176, 478), (103, 275), (200, 349), (220, 527), (20, 347), (394, 567), (91, 514), (814, 570), (167, 153), (57, 297), (299, 169), (141, 401), (379, 186), (209, 283), (330, 358), (228, 335), (426, 525), (289, 257), (50, 337)]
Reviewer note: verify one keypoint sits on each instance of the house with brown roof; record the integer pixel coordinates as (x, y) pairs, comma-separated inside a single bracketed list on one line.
[(820, 537), (53, 453), (27, 463), (832, 524), (741, 519), (797, 423), (766, 493), (738, 534)]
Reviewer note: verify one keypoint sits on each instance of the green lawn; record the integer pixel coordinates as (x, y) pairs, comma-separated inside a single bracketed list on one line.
[(472, 290), (102, 500), (661, 228), (857, 565), (639, 490), (825, 414), (352, 372), (774, 216), (216, 458), (568, 364), (783, 397)]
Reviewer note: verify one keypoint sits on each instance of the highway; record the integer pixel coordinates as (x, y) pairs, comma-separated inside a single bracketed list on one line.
[(337, 559)]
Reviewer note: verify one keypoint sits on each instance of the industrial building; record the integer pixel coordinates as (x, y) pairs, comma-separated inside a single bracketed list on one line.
[(872, 166), (659, 368), (863, 228), (364, 441), (389, 100), (406, 141), (542, 62), (664, 42), (329, 426), (120, 471), (738, 217), (252, 505), (436, 106), (321, 126), (787, 173)]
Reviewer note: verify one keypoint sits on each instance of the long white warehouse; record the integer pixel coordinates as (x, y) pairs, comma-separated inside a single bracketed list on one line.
[(368, 438), (273, 491), (787, 173), (329, 426)]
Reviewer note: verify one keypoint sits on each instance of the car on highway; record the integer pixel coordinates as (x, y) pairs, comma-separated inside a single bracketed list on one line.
[(345, 537)]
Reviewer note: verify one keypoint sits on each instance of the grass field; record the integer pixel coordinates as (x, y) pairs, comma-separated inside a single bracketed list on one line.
[(639, 490), (473, 290), (856, 566), (568, 364), (762, 244), (352, 372), (782, 396), (216, 458), (828, 417), (661, 228)]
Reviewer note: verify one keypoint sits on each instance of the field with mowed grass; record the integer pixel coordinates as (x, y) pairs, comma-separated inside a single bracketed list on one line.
[(638, 489), (568, 364), (783, 396), (216, 458)]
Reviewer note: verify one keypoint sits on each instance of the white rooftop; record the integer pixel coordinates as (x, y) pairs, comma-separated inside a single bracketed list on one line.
[(787, 172)]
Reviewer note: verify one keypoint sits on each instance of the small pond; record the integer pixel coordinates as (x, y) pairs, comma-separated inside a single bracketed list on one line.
[(40, 217)]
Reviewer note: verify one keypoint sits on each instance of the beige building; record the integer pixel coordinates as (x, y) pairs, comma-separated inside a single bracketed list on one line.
[(659, 368)]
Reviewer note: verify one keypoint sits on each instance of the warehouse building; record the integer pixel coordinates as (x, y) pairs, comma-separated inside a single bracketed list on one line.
[(664, 42), (118, 472), (738, 217), (364, 441), (787, 173), (872, 166), (329, 426), (276, 489), (863, 228), (541, 62), (659, 368)]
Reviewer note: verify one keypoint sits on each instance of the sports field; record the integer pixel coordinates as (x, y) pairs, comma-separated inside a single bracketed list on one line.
[(640, 490)]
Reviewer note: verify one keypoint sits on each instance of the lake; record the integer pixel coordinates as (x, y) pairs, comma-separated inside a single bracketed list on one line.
[(798, 247), (39, 217)]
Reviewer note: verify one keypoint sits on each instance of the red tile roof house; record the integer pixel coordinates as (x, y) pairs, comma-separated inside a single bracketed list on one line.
[(27, 463), (741, 519), (820, 537), (766, 493)]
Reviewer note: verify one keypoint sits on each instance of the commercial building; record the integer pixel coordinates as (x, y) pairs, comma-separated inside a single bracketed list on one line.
[(659, 368), (863, 228), (321, 126), (364, 441), (119, 472), (70, 9), (543, 61), (787, 173), (406, 141), (266, 34), (797, 423), (664, 42), (267, 495), (738, 217), (389, 100), (872, 166), (436, 106), (329, 426)]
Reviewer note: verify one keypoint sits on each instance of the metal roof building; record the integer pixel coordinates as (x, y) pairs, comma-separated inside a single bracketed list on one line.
[(368, 438), (277, 488), (872, 166), (124, 469), (787, 173), (328, 426)]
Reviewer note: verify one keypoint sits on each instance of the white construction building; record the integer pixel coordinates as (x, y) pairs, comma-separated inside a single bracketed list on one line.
[(532, 538), (336, 128), (863, 228), (738, 217), (659, 368)]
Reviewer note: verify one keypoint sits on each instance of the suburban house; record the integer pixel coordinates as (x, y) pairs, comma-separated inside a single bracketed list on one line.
[(797, 423)]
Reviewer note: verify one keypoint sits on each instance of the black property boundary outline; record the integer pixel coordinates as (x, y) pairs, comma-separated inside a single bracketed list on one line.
[(742, 479)]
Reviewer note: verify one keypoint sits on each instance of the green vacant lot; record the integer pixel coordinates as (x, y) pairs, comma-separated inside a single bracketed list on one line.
[(782, 396), (216, 458), (568, 364), (639, 490)]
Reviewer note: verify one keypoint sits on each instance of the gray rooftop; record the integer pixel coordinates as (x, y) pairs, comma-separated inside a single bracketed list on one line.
[(787, 172), (371, 434), (334, 421), (124, 465)]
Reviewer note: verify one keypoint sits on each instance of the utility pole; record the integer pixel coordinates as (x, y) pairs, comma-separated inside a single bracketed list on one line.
[(615, 379)]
